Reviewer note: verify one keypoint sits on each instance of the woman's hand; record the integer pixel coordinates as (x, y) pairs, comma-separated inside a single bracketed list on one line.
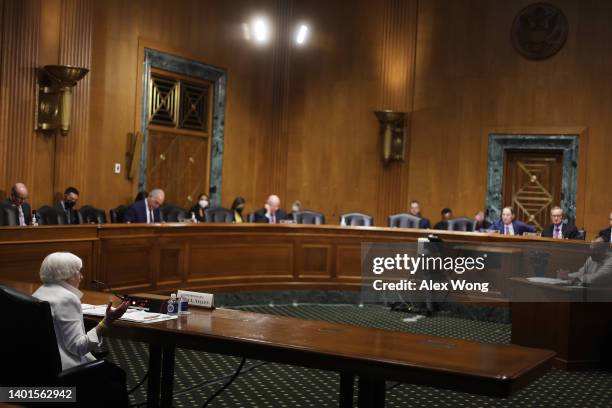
[(114, 314)]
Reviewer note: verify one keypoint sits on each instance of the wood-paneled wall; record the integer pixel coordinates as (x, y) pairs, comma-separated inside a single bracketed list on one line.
[(299, 120)]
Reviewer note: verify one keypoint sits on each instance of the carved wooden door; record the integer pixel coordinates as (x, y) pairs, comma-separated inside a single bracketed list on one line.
[(532, 184)]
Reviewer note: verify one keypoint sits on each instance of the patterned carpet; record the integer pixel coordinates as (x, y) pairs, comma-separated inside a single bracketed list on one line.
[(198, 375)]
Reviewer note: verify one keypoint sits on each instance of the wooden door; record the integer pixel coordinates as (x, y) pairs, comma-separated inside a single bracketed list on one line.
[(532, 184), (179, 134)]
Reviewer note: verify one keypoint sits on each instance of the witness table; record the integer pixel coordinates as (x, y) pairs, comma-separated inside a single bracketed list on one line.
[(371, 355)]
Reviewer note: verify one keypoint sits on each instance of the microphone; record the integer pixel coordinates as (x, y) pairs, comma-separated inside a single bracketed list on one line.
[(122, 297)]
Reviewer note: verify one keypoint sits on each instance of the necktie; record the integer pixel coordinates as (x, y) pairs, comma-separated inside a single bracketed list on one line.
[(151, 216), (507, 230), (272, 218), (557, 234), (21, 215)]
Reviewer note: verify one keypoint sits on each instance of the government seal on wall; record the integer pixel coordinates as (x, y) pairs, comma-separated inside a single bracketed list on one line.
[(539, 31)]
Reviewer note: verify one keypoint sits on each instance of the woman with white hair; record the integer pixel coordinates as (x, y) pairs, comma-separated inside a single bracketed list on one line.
[(61, 275)]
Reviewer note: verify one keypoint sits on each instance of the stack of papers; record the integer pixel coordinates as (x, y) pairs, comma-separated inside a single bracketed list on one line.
[(550, 281), (131, 315)]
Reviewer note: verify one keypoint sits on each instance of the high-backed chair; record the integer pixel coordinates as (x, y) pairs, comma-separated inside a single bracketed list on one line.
[(308, 217), (404, 220), (92, 215), (8, 216), (461, 224), (33, 355), (172, 213), (251, 217), (218, 215), (117, 214), (357, 220), (50, 216)]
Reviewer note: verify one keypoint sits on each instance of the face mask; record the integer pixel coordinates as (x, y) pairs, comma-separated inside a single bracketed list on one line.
[(239, 209), (203, 203), (69, 204), (296, 209)]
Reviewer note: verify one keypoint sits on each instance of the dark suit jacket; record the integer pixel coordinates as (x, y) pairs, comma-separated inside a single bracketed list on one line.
[(485, 225), (441, 225), (567, 231), (424, 223), (27, 210), (196, 210), (71, 216), (137, 213), (260, 216), (518, 226), (605, 234)]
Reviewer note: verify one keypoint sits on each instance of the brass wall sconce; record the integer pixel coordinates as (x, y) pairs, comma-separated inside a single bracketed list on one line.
[(54, 96), (393, 131)]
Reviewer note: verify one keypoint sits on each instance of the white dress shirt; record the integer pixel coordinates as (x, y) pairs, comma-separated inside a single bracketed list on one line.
[(509, 228), (73, 343), (150, 215)]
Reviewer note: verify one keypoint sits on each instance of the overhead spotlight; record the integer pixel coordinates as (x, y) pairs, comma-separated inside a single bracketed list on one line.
[(260, 30), (302, 34)]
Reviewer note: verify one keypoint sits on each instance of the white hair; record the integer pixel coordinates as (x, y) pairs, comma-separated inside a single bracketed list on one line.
[(157, 192), (60, 266)]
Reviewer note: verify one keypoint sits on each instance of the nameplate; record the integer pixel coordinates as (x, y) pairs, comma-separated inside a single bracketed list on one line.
[(197, 298)]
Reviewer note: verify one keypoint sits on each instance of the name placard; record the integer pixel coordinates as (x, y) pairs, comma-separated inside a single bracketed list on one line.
[(197, 298)]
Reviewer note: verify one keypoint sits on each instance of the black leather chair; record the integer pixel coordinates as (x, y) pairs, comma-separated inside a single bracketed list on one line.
[(92, 215), (308, 217), (117, 214), (357, 220), (8, 216), (251, 217), (218, 215), (33, 356), (404, 220), (581, 234), (461, 224), (172, 213), (50, 216)]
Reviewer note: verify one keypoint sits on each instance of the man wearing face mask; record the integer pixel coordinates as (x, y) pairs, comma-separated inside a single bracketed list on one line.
[(68, 204), (17, 202), (200, 207)]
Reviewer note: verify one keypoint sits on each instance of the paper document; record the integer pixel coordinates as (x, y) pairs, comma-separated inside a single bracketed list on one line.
[(550, 281), (131, 315)]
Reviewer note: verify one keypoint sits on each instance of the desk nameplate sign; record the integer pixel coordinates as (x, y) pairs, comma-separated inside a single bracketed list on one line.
[(197, 298)]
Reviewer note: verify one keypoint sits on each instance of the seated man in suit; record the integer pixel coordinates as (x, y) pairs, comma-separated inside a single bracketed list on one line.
[(147, 210), (508, 226), (17, 202), (271, 213), (606, 234), (447, 214), (68, 204), (415, 209), (481, 222), (558, 229)]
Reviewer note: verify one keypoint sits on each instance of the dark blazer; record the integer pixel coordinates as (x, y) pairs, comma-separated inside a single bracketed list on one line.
[(424, 223), (441, 225), (260, 216), (71, 215), (605, 234), (137, 213), (196, 210), (518, 226), (27, 210), (485, 225), (568, 231)]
